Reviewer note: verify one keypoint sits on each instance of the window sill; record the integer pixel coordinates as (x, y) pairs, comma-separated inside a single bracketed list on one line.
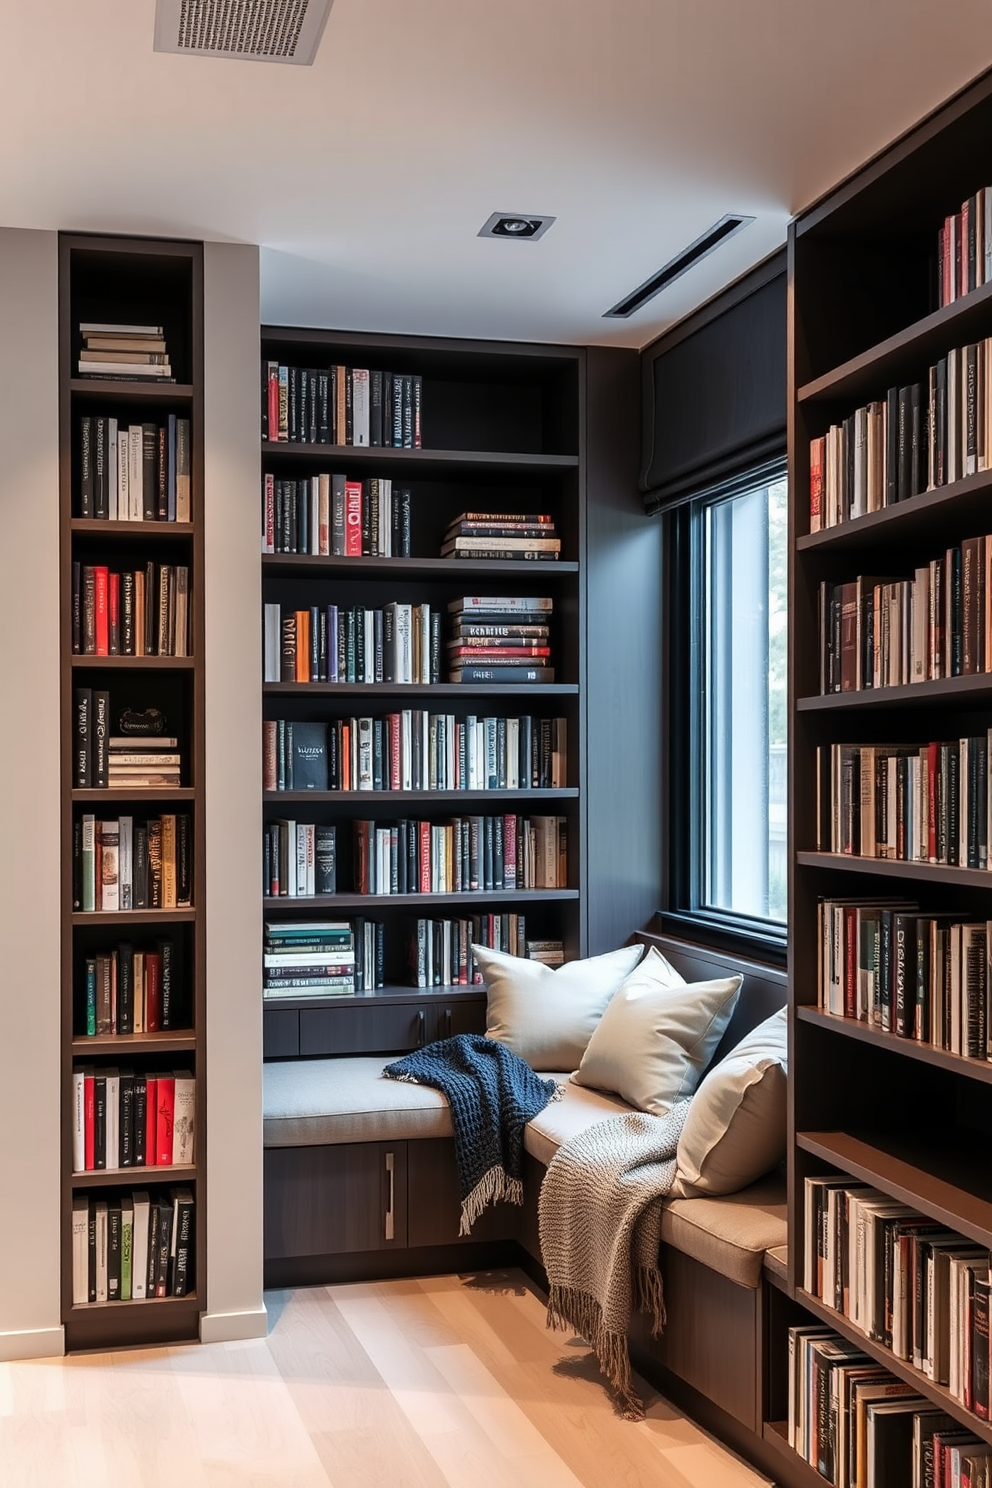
[(765, 943)]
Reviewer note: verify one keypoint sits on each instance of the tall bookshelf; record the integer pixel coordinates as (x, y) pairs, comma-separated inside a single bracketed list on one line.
[(159, 283), (896, 1113), (501, 432)]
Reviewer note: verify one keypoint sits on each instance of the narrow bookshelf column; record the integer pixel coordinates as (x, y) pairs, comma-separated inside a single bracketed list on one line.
[(133, 863)]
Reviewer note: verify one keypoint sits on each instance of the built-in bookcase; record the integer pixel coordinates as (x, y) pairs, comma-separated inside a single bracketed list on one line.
[(895, 1112), (500, 432), (148, 283)]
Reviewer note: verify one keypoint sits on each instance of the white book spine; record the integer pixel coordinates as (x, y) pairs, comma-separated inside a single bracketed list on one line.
[(135, 472), (324, 516), (184, 1121), (300, 884), (78, 1125), (121, 473), (80, 1250), (113, 510), (360, 406), (125, 862), (271, 643), (139, 1247), (311, 858), (113, 1127), (101, 1250)]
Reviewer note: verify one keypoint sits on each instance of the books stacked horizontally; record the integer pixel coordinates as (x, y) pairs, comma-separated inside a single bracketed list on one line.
[(333, 517), (548, 952), (130, 1246), (135, 474), (126, 1120), (123, 351), (500, 638), (143, 762), (855, 1423), (303, 958), (299, 859), (490, 535)]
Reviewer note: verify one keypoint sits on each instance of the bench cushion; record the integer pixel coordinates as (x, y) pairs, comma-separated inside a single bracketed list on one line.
[(580, 1107), (730, 1233), (325, 1102)]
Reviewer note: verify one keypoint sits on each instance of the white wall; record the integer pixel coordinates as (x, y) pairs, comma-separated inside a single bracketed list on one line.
[(29, 797), (233, 794)]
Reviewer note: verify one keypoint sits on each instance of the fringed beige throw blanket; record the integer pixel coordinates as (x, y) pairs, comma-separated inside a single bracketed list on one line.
[(600, 1228)]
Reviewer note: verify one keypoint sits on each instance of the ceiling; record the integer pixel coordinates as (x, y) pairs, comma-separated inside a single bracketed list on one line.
[(365, 178)]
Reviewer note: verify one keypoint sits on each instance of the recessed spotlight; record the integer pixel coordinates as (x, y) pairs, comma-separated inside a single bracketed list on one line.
[(515, 225)]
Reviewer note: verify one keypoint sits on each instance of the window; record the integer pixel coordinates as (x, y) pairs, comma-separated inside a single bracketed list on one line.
[(729, 837)]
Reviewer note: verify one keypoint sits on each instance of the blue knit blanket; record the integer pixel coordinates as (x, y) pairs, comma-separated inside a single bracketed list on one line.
[(492, 1094)]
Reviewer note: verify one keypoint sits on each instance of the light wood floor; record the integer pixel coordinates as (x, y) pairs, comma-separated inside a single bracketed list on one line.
[(447, 1382)]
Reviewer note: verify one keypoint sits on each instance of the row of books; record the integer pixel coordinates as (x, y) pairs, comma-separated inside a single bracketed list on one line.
[(293, 937), (299, 859), (128, 864), (315, 957), (859, 1426), (341, 405), (920, 976), (415, 750), (331, 516), (923, 804), (132, 1246), (123, 351), (122, 1118), (118, 761), (441, 950), (878, 632), (140, 612), (489, 535), (470, 854), (133, 989), (920, 437), (904, 1280), (136, 474), (964, 248), (398, 643)]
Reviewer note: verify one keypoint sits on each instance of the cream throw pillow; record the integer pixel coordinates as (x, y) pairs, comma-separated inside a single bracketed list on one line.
[(547, 1014), (735, 1129), (657, 1035)]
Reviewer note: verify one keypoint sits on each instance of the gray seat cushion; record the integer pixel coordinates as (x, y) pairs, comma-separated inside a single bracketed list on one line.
[(325, 1102)]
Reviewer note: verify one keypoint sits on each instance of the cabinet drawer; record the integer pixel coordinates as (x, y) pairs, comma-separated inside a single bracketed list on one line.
[(464, 1015), (334, 1200), (280, 1033), (393, 1028)]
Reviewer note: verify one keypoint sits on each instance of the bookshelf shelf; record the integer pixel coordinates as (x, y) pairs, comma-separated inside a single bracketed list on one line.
[(952, 1186), (950, 510), (430, 902), (115, 1177), (904, 355), (382, 996), (292, 565), (972, 689), (972, 1069), (420, 461), (447, 690), (975, 878), (133, 282), (776, 1434), (927, 1387), (452, 798)]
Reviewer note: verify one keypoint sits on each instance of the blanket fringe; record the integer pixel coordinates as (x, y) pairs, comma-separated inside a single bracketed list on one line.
[(568, 1307), (649, 1297), (492, 1188)]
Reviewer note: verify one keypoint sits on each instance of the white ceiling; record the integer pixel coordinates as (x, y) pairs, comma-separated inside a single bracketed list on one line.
[(365, 179)]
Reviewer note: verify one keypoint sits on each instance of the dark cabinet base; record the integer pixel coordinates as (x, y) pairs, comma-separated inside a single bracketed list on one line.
[(333, 1200)]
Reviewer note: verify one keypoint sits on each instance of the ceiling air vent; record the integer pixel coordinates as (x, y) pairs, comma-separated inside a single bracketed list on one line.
[(675, 267), (242, 30)]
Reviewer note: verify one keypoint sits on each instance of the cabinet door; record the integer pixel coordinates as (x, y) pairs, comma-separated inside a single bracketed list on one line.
[(460, 1015), (434, 1207), (389, 1028), (332, 1200), (280, 1033)]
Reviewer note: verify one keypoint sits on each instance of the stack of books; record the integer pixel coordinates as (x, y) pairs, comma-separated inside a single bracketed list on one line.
[(314, 958), (123, 351), (143, 762), (548, 952), (500, 639), (491, 535)]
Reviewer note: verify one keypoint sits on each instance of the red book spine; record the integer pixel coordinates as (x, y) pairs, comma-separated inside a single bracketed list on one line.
[(395, 744), (114, 613), (102, 586), (362, 830), (483, 653), (353, 518), (932, 802), (89, 1122), (153, 992), (345, 756), (270, 503), (945, 264), (165, 1104), (817, 454), (151, 1121), (850, 963), (963, 249), (273, 403), (510, 850), (425, 857)]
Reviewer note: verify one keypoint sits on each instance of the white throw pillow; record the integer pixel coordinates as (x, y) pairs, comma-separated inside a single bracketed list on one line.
[(547, 1014), (657, 1036), (735, 1129)]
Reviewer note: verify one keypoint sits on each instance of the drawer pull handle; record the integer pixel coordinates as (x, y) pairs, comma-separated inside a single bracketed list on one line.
[(421, 1028), (447, 1022), (390, 1225)]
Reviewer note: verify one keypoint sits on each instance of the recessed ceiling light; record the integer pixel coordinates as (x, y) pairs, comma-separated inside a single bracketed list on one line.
[(515, 225), (677, 266)]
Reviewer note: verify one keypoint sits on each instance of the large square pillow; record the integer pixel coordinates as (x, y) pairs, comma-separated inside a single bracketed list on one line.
[(735, 1129), (657, 1035), (547, 1014)]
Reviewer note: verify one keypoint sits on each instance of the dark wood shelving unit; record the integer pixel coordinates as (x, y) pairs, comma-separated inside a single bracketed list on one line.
[(425, 461), (448, 691), (430, 901), (800, 1474), (292, 565), (864, 317), (133, 281), (401, 798)]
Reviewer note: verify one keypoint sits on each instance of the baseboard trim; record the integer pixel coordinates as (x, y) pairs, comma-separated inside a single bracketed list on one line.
[(231, 1327), (32, 1343)]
